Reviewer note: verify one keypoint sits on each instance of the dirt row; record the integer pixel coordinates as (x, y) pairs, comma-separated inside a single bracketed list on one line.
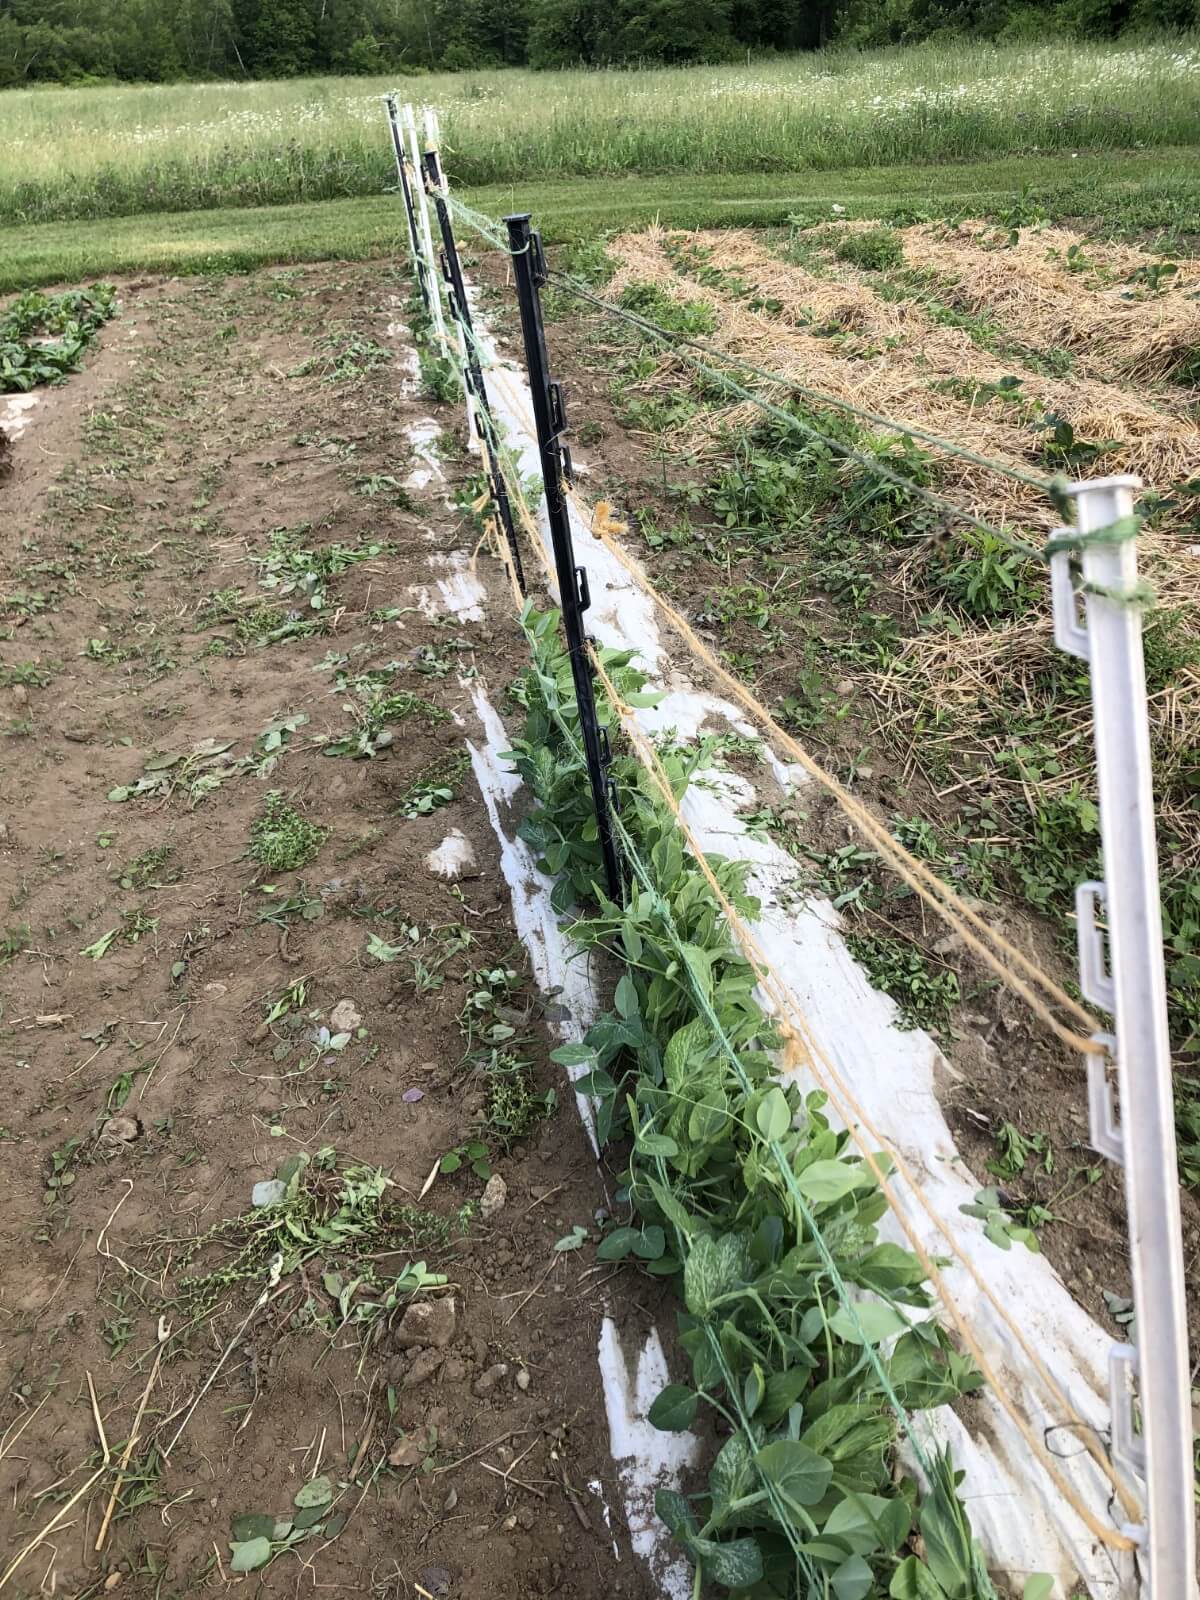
[(182, 1022)]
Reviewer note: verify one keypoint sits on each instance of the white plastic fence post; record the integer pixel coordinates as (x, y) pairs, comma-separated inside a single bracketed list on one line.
[(433, 142), (1132, 984), (401, 177), (422, 203)]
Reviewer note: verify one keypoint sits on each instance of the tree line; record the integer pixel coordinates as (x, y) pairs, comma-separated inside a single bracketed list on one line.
[(68, 41)]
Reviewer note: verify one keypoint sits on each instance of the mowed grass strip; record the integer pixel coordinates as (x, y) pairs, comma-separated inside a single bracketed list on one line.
[(1139, 191)]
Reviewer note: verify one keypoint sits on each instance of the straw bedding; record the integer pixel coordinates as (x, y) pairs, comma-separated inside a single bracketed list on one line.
[(844, 340), (836, 335)]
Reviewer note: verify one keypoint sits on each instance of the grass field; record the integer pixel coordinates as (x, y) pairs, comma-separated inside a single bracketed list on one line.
[(1156, 192), (89, 153)]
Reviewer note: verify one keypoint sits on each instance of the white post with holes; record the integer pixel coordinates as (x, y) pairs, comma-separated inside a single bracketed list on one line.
[(1139, 1131), (422, 203)]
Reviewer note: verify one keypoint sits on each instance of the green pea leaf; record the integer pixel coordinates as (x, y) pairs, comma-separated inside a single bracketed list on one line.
[(656, 1144), (651, 1243), (249, 1555), (316, 1492), (615, 1246), (736, 1564), (827, 1180), (773, 1117), (673, 1509), (673, 1409), (673, 1209), (626, 998), (852, 1580), (253, 1525), (796, 1471), (912, 1580), (783, 1390), (869, 1322), (709, 1116)]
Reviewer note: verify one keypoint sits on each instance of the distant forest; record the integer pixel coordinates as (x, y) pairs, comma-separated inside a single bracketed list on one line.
[(72, 41)]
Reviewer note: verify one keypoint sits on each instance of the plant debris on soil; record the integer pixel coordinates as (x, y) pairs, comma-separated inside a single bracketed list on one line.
[(287, 1163)]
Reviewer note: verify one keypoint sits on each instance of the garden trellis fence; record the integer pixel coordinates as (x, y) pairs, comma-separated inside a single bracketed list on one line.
[(1097, 607)]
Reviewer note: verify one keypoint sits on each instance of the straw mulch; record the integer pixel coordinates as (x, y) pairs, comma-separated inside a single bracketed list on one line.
[(891, 361), (1115, 327), (888, 360)]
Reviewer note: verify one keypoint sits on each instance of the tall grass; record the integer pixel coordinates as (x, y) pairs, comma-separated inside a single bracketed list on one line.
[(73, 154)]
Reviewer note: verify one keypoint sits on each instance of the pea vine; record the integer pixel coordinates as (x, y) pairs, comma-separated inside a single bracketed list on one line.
[(809, 1339)]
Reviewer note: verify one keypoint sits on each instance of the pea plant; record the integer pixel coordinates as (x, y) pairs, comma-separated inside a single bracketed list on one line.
[(43, 336), (809, 1339)]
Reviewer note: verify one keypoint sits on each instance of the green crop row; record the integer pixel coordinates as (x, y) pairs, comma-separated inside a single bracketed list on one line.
[(809, 1341)]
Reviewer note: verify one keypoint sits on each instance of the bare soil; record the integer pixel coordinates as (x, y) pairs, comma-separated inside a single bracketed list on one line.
[(147, 1090)]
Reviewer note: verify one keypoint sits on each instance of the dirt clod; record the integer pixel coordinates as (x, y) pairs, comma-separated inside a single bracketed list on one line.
[(427, 1324), (488, 1380), (423, 1366), (406, 1453)]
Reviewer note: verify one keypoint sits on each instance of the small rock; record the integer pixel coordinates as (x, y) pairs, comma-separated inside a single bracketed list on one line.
[(216, 988), (484, 1384), (454, 1371), (509, 1524), (120, 1130), (428, 1323), (405, 1453), (436, 1580), (495, 1194), (20, 695), (258, 1472), (269, 1192), (844, 686), (422, 1367), (345, 1017), (526, 1517), (866, 772), (522, 1380)]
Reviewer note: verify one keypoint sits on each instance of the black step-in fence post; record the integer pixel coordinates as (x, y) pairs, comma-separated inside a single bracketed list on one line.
[(406, 191), (529, 266), (460, 310)]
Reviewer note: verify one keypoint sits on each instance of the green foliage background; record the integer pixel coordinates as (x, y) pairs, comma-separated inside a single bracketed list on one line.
[(66, 41)]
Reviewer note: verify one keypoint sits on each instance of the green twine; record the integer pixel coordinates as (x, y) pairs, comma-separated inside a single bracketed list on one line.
[(1119, 532)]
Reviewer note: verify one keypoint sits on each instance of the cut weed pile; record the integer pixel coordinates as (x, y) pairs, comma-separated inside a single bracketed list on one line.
[(267, 1054)]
